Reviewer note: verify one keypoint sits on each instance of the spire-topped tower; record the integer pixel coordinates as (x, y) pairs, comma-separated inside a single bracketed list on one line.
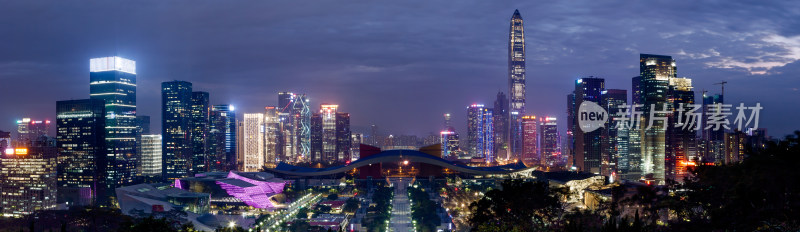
[(516, 83)]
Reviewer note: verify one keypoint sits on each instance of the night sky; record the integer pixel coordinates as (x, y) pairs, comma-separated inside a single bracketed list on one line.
[(397, 64)]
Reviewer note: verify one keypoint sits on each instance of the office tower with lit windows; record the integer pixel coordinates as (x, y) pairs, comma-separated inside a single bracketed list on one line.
[(656, 72), (218, 160), (176, 122), (355, 148), (343, 137), (569, 144), (634, 171), (530, 141), (29, 130), (550, 154), (480, 133), (227, 111), (587, 148), (199, 112), (253, 146), (302, 126), (516, 83), (615, 140), (735, 142), (29, 178), (151, 155), (287, 132), (501, 126), (449, 140), (713, 149), (681, 144), (273, 147), (328, 113), (316, 138), (80, 134), (113, 80)]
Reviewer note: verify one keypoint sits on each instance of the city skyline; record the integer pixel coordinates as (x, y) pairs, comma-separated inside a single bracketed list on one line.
[(341, 75)]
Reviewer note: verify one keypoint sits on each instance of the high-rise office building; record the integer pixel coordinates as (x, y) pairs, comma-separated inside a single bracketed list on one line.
[(355, 148), (199, 126), (253, 146), (288, 140), (80, 134), (328, 113), (550, 143), (480, 132), (151, 155), (735, 142), (343, 137), (229, 114), (615, 139), (655, 72), (316, 138), (501, 126), (681, 144), (218, 158), (530, 141), (634, 170), (273, 147), (516, 83), (29, 130), (176, 122), (587, 148), (569, 143), (713, 150), (113, 80), (302, 126), (29, 178), (449, 140)]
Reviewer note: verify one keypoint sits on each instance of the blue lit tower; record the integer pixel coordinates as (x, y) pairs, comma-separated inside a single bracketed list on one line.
[(113, 80), (227, 111), (587, 147), (516, 83)]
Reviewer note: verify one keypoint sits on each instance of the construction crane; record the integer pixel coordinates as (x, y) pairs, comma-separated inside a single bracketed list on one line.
[(723, 86)]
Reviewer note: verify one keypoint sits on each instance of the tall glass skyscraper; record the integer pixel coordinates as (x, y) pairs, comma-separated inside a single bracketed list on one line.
[(328, 113), (656, 72), (501, 126), (615, 140), (516, 83), (588, 149), (228, 112), (200, 130), (113, 80), (480, 132), (80, 134), (176, 118)]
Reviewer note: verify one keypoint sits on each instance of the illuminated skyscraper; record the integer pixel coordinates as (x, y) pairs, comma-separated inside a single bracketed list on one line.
[(681, 144), (634, 170), (80, 133), (343, 137), (151, 155), (530, 141), (449, 140), (480, 132), (272, 134), (615, 140), (550, 139), (516, 83), (713, 140), (253, 146), (587, 148), (328, 113), (228, 112), (316, 138), (288, 140), (113, 80), (216, 141), (199, 132), (176, 122), (355, 148), (29, 130), (501, 126), (655, 72), (28, 177), (302, 124)]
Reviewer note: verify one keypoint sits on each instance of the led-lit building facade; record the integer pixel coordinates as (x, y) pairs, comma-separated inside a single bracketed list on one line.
[(253, 140), (449, 141), (176, 122), (480, 132), (655, 72), (28, 178), (229, 113), (615, 140), (80, 134), (328, 113), (272, 134), (516, 83), (550, 151), (151, 155), (113, 80), (199, 127), (530, 141), (302, 126)]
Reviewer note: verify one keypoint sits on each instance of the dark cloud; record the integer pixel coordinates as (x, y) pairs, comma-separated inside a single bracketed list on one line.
[(399, 65)]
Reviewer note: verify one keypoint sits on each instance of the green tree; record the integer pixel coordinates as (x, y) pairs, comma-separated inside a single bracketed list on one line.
[(520, 205)]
